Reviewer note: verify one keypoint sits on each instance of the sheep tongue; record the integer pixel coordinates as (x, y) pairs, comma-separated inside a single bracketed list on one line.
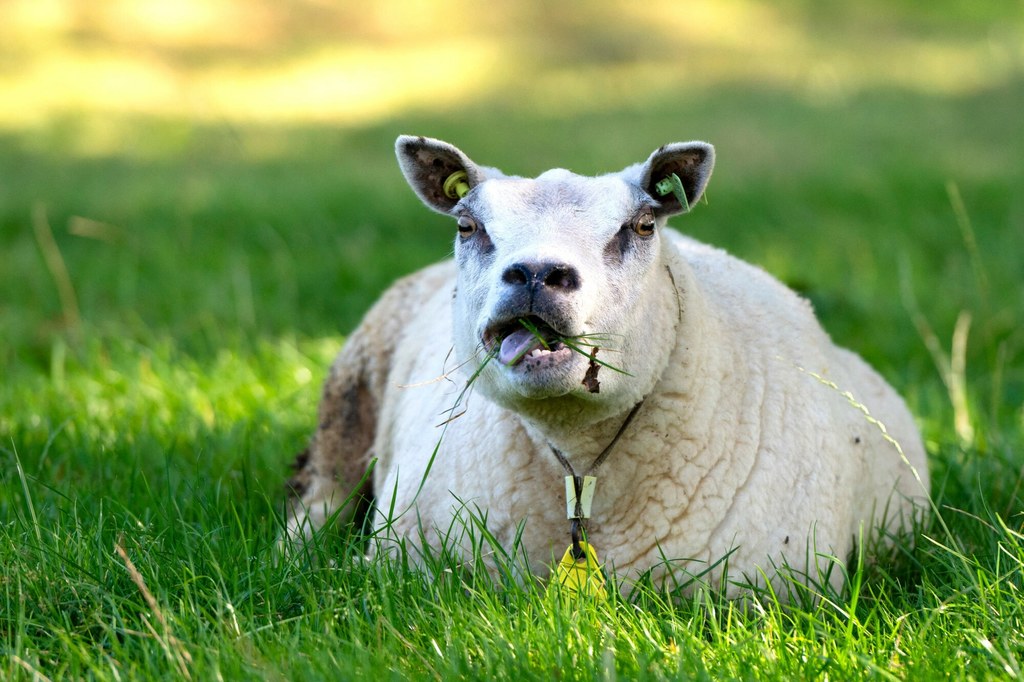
[(516, 345)]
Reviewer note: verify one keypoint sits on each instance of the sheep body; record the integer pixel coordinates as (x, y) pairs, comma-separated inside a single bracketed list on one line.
[(746, 443)]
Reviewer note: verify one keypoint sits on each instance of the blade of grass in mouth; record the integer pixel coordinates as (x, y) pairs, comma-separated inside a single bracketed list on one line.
[(569, 342)]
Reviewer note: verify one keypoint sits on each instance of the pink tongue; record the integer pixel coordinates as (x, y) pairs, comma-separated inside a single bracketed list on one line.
[(516, 345)]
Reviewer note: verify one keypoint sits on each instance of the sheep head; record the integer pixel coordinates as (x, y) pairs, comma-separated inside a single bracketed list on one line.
[(553, 266)]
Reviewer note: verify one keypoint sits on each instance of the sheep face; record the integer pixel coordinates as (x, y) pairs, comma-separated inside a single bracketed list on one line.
[(569, 256), (551, 268)]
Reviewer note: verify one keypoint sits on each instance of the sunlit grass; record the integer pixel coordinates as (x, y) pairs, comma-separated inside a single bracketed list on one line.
[(151, 400)]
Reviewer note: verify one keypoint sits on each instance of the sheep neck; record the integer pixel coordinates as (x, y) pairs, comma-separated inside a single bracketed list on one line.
[(577, 521), (603, 455)]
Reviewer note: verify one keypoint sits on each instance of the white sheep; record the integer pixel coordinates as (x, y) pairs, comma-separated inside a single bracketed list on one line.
[(737, 429)]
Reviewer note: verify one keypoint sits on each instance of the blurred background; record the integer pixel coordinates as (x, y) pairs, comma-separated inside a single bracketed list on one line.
[(208, 175)]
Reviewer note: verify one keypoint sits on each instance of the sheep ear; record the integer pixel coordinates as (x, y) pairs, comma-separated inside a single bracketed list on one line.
[(427, 164), (690, 162)]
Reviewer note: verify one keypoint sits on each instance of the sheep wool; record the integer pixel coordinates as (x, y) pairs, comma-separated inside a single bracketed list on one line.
[(744, 448)]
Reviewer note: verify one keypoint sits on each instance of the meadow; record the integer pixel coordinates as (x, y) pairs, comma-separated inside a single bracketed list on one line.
[(174, 284)]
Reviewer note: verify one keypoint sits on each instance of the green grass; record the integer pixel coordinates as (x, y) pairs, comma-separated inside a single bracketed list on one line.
[(214, 269)]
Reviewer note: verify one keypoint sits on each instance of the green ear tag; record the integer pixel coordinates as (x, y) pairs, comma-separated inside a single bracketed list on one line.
[(672, 184), (456, 185)]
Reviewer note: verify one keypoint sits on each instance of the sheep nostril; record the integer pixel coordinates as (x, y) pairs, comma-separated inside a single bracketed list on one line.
[(517, 275), (562, 277)]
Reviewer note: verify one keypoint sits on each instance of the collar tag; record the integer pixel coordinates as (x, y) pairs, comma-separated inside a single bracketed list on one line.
[(579, 508)]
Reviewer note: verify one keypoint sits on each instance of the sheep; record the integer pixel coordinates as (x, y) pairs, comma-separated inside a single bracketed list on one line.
[(741, 447)]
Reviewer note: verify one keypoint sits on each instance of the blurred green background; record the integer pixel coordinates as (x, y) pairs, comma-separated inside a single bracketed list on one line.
[(217, 176)]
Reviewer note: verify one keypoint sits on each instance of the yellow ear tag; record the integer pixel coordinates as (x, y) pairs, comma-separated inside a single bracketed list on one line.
[(581, 575)]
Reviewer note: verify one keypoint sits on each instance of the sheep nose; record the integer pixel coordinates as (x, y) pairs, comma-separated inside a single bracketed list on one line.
[(556, 276)]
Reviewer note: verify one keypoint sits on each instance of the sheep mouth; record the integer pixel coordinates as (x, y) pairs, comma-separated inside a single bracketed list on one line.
[(527, 341)]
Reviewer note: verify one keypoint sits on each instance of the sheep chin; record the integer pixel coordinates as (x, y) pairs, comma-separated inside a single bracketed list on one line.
[(540, 374)]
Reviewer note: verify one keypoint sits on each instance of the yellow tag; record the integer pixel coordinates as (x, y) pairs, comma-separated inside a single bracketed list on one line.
[(581, 575)]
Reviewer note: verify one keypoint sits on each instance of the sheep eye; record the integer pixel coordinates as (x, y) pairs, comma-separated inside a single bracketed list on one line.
[(467, 226), (643, 224)]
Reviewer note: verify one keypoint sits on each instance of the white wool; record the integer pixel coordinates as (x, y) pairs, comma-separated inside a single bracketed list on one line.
[(746, 444)]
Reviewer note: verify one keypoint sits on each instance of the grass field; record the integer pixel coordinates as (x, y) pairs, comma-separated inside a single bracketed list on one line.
[(176, 277)]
